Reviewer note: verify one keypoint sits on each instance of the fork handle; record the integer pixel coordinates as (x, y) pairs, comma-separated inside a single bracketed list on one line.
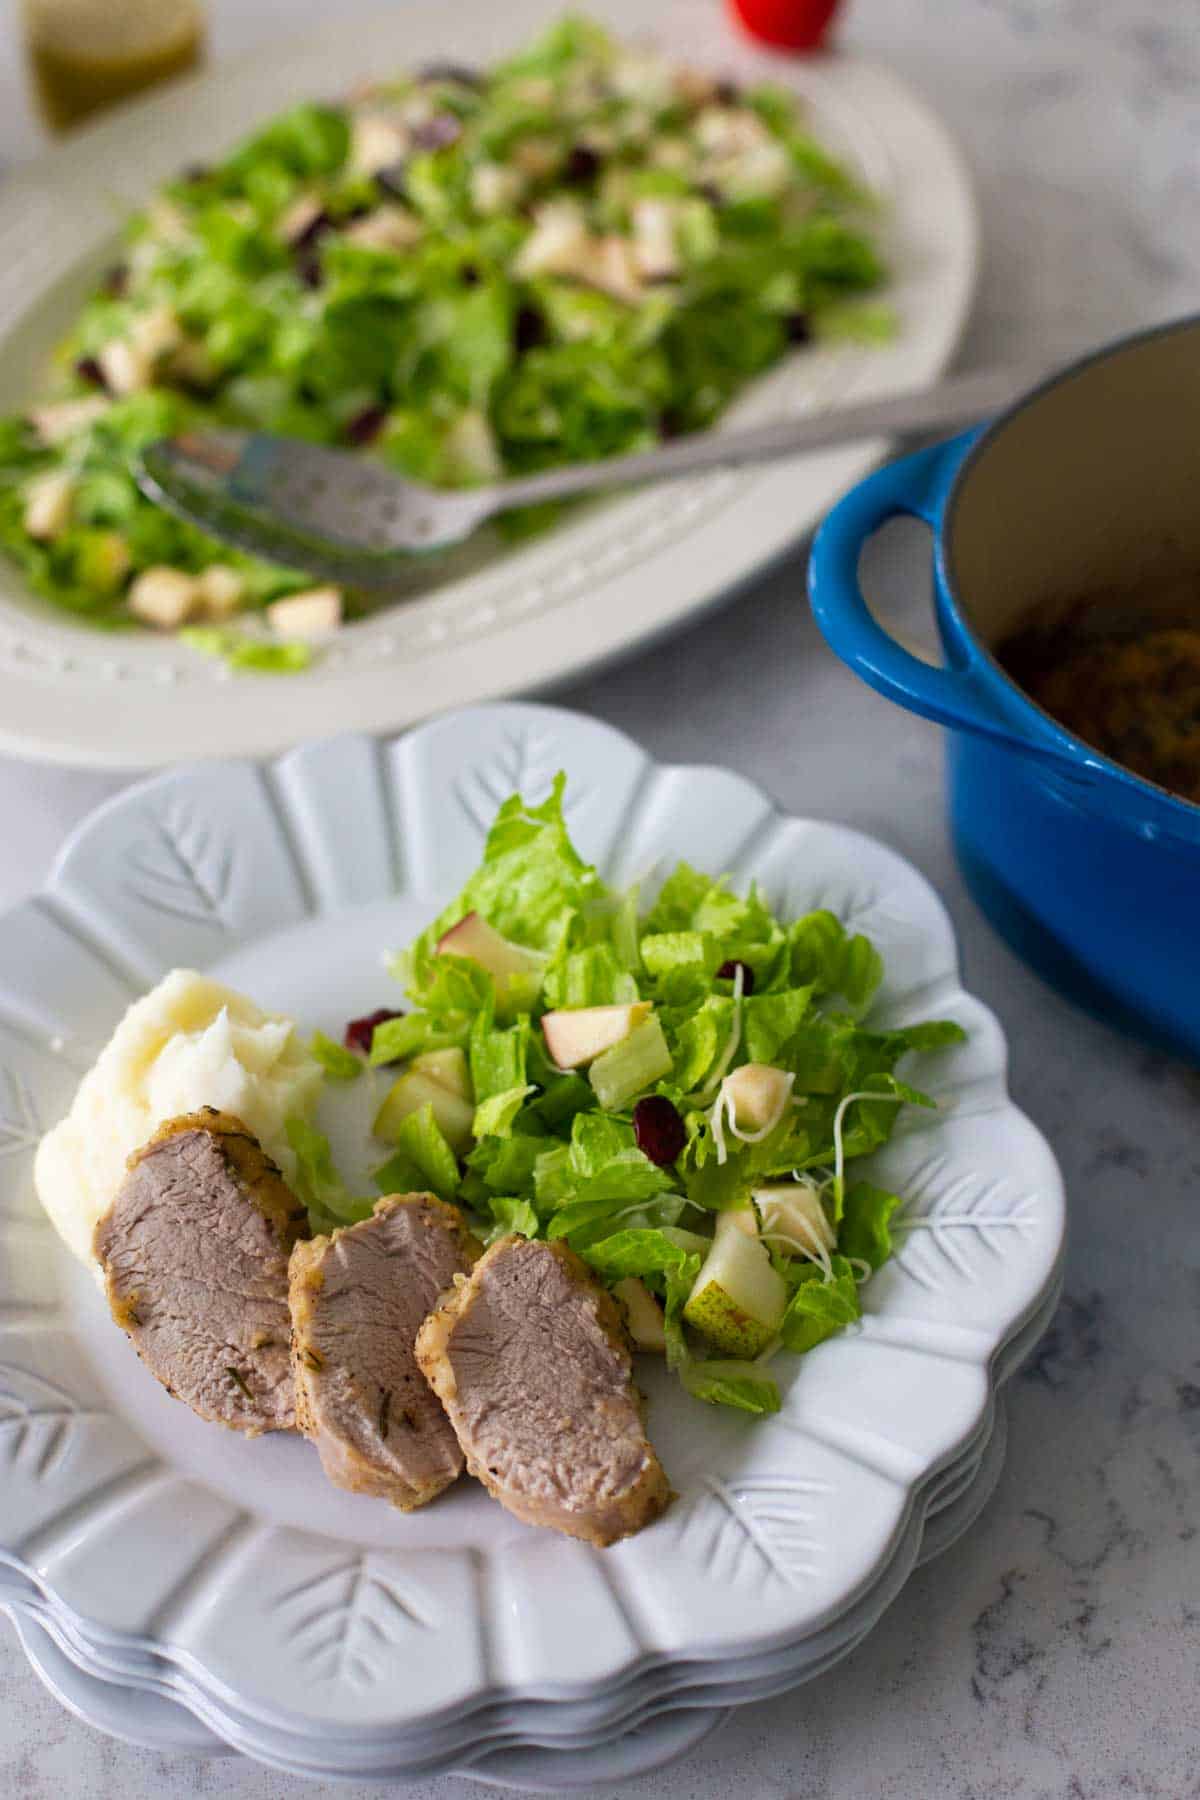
[(955, 402)]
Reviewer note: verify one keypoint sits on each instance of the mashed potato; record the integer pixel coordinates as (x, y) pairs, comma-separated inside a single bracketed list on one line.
[(187, 1044)]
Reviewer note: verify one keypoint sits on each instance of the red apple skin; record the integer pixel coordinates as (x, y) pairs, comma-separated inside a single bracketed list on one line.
[(576, 1038), (785, 24), (480, 942)]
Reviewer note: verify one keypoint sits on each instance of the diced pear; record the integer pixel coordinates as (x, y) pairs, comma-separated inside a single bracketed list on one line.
[(793, 1209), (55, 424), (221, 591), (387, 228), (126, 369), (415, 1089), (377, 141), (495, 187), (48, 505), (758, 1093), (577, 1038), (163, 596), (739, 1300), (450, 1068), (313, 614), (643, 1314), (505, 962)]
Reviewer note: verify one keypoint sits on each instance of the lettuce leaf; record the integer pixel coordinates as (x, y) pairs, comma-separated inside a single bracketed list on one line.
[(422, 1159), (817, 1308), (318, 1183), (338, 1063)]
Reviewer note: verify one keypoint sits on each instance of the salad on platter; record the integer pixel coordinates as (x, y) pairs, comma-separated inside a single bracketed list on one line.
[(578, 252)]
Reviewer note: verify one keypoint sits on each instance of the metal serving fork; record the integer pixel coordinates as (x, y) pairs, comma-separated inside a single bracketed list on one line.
[(349, 518)]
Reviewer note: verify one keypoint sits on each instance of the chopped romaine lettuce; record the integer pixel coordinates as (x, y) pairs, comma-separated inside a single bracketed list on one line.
[(559, 1154), (575, 255)]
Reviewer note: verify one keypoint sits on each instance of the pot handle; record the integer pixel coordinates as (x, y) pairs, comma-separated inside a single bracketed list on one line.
[(952, 695)]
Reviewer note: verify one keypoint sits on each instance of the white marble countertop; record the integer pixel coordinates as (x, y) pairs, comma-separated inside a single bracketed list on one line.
[(1053, 1652)]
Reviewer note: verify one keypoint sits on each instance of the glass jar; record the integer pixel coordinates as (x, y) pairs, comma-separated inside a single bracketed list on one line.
[(86, 54)]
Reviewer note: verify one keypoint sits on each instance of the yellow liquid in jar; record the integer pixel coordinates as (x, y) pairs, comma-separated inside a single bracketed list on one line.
[(87, 54)]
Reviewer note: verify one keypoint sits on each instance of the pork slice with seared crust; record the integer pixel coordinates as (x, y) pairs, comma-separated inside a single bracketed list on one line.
[(357, 1299), (194, 1251), (530, 1359)]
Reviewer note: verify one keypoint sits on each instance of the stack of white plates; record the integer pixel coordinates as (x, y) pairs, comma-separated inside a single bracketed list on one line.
[(181, 1586)]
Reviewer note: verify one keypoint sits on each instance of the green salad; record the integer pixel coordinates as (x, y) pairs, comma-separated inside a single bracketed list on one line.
[(679, 1092), (578, 252)]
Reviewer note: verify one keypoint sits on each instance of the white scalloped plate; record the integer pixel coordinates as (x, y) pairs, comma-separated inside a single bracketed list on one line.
[(234, 1562), (611, 578), (151, 1716)]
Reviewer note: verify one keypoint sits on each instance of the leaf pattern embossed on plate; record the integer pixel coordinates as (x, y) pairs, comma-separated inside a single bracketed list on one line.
[(20, 1126), (185, 870), (38, 1420), (955, 1222), (345, 1621), (762, 1524), (525, 762)]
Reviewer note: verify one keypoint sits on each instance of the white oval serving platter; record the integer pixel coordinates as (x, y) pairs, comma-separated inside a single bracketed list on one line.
[(615, 575)]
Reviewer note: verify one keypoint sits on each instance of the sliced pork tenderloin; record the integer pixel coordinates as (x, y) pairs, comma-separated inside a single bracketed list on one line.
[(357, 1299), (194, 1251), (530, 1359)]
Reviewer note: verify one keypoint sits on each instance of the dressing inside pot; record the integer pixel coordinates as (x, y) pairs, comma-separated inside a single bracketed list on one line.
[(1122, 672), (1072, 545)]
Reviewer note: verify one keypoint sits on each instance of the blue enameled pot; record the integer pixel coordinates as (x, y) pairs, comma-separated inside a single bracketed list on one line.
[(1091, 483)]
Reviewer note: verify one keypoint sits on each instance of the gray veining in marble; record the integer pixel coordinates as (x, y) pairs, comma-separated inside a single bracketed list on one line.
[(1053, 1653)]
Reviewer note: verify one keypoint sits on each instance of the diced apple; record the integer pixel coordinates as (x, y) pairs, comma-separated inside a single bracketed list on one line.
[(163, 596), (758, 1094), (415, 1089), (313, 614), (450, 1068), (739, 1300), (48, 505), (515, 970), (577, 1038), (643, 1314), (792, 1215)]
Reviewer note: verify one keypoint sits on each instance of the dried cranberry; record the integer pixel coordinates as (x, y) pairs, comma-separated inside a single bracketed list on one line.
[(459, 73), (798, 326), (316, 228), (671, 423), (360, 1032), (116, 281), (582, 164), (437, 133), (529, 328), (658, 1130), (308, 266), (392, 180), (88, 369), (366, 425), (728, 972)]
